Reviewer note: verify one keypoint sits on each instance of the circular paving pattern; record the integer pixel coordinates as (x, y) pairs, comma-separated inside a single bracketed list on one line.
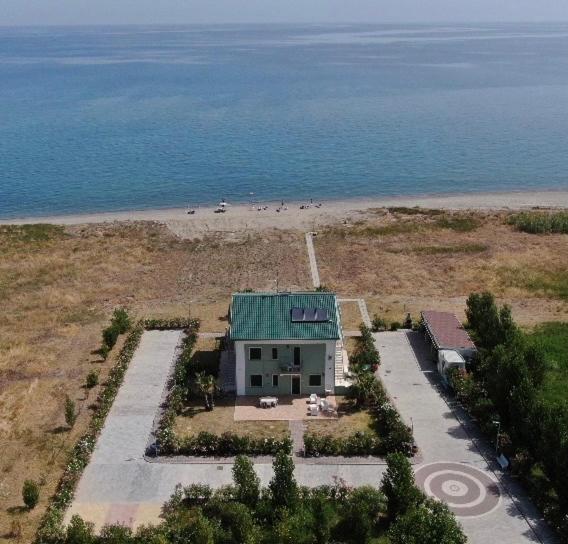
[(468, 491)]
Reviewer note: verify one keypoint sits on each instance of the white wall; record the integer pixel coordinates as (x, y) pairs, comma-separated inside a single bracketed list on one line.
[(329, 378)]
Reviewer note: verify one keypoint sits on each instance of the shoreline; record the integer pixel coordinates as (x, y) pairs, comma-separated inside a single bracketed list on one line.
[(244, 216)]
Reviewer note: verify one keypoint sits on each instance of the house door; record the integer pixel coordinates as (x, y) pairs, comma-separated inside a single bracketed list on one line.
[(297, 356), (296, 385)]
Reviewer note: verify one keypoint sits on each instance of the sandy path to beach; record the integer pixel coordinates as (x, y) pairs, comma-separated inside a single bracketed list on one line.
[(243, 217)]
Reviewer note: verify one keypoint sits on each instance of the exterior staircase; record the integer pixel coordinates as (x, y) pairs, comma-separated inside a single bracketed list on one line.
[(227, 371), (341, 365)]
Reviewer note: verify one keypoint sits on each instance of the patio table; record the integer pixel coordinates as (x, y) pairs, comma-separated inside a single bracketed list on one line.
[(268, 402)]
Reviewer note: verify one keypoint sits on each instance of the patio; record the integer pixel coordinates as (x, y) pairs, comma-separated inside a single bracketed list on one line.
[(289, 409)]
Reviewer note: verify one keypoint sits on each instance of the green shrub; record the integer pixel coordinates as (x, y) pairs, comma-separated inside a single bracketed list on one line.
[(104, 351), (80, 531), (378, 324), (121, 320), (70, 412), (110, 336), (30, 494), (541, 222), (395, 325), (92, 379)]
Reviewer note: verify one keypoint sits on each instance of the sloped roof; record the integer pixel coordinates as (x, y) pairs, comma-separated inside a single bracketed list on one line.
[(268, 316), (446, 331)]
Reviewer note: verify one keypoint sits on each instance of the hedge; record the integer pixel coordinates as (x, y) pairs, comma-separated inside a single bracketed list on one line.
[(228, 444), (171, 323)]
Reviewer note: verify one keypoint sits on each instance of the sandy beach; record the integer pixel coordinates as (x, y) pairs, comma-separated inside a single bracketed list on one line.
[(242, 217)]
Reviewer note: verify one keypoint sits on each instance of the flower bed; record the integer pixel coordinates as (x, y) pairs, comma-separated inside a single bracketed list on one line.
[(208, 444)]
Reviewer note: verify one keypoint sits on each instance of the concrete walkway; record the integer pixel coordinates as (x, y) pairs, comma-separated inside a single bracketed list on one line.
[(312, 258), (364, 314), (457, 465)]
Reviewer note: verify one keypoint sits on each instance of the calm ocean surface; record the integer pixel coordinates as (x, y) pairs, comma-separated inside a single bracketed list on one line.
[(118, 118)]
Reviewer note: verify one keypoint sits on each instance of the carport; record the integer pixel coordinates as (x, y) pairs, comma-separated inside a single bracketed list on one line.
[(443, 330)]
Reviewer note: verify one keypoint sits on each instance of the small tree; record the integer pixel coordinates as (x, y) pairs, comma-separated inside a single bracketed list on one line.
[(207, 386), (92, 379), (121, 320), (110, 336), (398, 485), (30, 494), (70, 412), (80, 531), (429, 523), (362, 387), (324, 518), (363, 510), (283, 487), (247, 483)]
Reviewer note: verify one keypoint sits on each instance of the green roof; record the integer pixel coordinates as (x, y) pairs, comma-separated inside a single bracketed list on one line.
[(268, 316)]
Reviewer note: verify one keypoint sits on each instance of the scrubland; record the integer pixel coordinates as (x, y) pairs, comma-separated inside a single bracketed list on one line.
[(59, 285)]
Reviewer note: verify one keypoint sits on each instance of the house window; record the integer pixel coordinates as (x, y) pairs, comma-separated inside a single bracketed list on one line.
[(274, 353), (275, 380), (314, 380), (256, 380), (255, 354)]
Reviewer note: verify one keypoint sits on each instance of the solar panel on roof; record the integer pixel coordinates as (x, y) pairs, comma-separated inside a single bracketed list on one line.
[(322, 315), (297, 314), (310, 314)]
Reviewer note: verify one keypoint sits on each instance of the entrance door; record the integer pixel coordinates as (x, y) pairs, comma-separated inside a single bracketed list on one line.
[(295, 385)]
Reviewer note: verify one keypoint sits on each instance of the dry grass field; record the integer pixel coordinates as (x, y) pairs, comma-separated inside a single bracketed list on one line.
[(194, 419), (58, 287), (405, 261), (348, 422)]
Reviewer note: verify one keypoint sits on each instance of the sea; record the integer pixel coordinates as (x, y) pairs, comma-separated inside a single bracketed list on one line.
[(138, 117)]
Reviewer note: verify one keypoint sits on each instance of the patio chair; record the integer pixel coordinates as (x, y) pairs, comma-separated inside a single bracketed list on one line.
[(313, 410), (313, 398)]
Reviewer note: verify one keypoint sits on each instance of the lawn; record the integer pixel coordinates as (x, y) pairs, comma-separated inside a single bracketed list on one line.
[(350, 420), (553, 337), (195, 419)]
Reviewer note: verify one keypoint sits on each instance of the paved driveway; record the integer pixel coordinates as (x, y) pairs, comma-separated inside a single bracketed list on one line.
[(119, 486), (457, 465)]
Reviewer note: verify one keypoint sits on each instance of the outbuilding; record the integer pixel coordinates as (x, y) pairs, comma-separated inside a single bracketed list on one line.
[(444, 331)]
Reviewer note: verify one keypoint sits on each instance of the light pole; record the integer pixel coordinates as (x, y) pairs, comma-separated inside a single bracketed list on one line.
[(498, 424)]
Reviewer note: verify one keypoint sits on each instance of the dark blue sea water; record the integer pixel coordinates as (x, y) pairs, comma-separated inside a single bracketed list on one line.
[(117, 118)]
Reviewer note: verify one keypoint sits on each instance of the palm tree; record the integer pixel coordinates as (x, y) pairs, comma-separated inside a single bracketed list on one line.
[(207, 386)]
